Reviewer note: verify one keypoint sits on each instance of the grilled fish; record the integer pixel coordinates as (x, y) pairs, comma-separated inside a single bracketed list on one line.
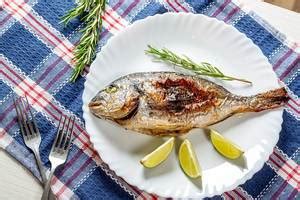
[(169, 103)]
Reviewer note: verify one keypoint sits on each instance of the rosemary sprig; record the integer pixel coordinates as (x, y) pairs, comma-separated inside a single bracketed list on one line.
[(90, 12), (185, 62)]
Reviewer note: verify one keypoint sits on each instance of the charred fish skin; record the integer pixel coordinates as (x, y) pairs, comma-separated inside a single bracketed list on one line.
[(169, 103)]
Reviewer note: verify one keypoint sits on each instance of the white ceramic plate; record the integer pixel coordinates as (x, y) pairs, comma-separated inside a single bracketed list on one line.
[(203, 39)]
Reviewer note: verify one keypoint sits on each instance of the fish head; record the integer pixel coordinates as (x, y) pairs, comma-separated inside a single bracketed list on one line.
[(116, 101)]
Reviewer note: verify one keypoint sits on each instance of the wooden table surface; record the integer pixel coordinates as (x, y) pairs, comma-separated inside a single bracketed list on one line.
[(17, 183)]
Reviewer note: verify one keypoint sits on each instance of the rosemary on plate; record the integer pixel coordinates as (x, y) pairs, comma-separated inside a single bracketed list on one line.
[(202, 68), (90, 12)]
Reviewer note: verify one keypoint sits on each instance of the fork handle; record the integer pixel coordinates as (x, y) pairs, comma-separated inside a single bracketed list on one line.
[(40, 166), (47, 188)]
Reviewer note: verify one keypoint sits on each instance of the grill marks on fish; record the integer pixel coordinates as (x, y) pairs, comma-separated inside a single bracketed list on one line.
[(181, 96)]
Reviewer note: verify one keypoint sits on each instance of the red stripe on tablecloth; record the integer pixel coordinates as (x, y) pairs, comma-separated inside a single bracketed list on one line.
[(5, 20), (183, 8), (60, 42), (153, 197), (283, 58), (111, 25), (238, 193), (292, 107), (138, 191), (2, 133), (221, 8), (70, 162), (113, 10), (57, 76), (130, 7), (280, 189), (116, 20), (37, 30), (45, 108), (282, 169), (50, 68), (27, 94), (173, 7), (64, 53), (10, 124), (25, 82), (118, 4), (12, 106), (295, 102), (9, 15), (94, 153), (293, 194), (15, 11), (43, 27), (33, 89), (40, 95), (104, 33), (5, 112), (231, 13), (284, 161), (290, 68), (229, 195), (85, 145), (47, 71), (69, 181), (52, 34)]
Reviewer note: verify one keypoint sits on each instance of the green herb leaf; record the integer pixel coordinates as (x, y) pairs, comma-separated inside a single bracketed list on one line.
[(90, 12), (203, 68)]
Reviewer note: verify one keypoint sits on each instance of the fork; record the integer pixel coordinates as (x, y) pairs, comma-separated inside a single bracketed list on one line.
[(29, 131), (60, 149)]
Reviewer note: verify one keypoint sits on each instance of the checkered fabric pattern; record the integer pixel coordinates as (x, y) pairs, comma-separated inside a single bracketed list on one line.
[(35, 59)]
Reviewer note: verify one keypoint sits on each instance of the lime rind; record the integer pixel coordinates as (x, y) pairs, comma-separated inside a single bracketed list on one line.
[(224, 146), (159, 155), (188, 160)]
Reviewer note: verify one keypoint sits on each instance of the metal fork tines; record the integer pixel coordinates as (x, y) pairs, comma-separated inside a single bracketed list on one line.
[(29, 131), (60, 148)]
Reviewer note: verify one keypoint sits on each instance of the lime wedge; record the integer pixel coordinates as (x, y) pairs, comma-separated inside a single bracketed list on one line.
[(188, 159), (159, 154), (224, 146)]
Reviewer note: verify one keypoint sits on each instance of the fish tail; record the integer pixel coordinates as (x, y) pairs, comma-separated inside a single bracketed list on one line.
[(267, 100)]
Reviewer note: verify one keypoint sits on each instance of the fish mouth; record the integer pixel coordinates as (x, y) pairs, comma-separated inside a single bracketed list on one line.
[(94, 104), (131, 114)]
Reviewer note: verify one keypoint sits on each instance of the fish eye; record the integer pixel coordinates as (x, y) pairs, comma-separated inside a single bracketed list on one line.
[(111, 89)]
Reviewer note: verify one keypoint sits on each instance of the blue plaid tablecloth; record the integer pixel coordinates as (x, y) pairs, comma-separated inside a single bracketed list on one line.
[(35, 59)]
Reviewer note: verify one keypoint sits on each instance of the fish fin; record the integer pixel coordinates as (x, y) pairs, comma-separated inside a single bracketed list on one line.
[(267, 100)]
